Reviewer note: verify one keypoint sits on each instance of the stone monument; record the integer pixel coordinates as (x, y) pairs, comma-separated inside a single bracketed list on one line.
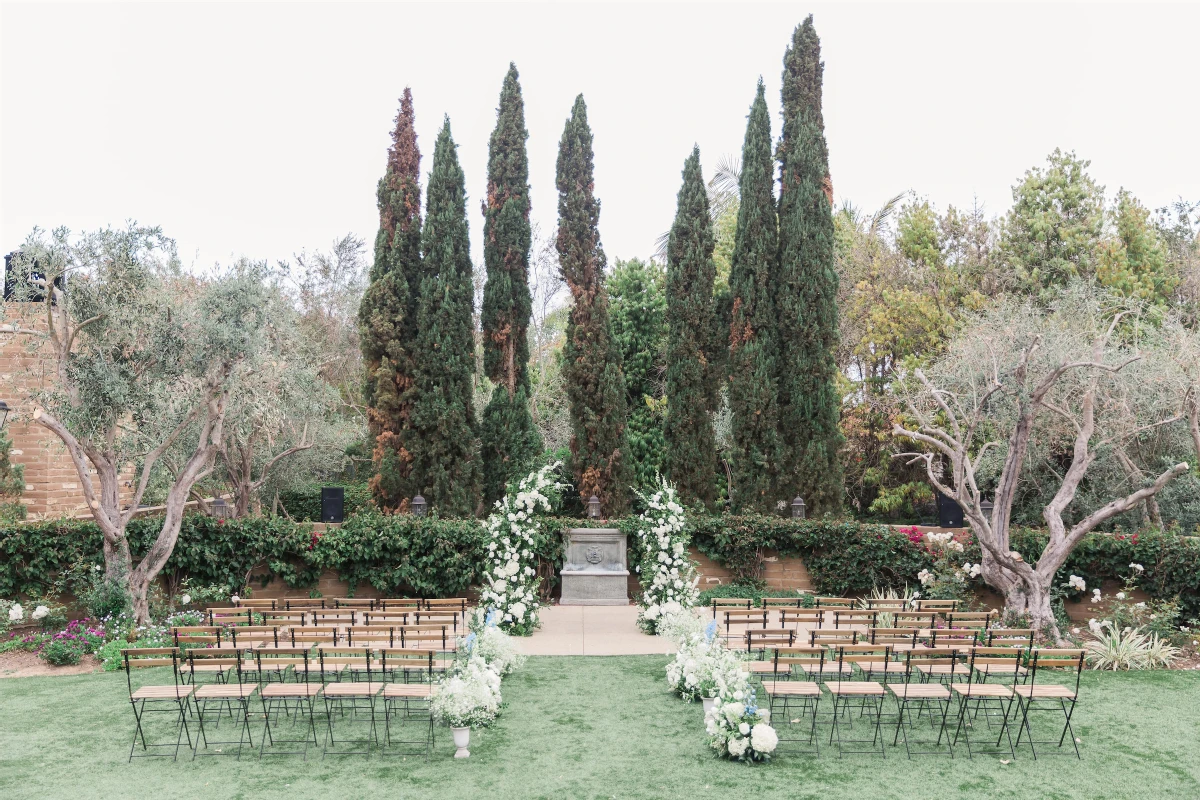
[(595, 571)]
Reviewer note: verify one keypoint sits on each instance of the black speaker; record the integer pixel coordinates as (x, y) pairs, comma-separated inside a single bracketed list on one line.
[(950, 513), (333, 504)]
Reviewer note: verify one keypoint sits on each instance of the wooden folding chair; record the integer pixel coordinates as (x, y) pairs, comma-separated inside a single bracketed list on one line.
[(743, 620), (960, 639), (374, 636), (912, 689), (1010, 637), (459, 604), (390, 618), (759, 642), (835, 602), (303, 603), (245, 637), (313, 636), (228, 696), (358, 603), (255, 604), (783, 602), (451, 618), (901, 640), (801, 618), (921, 620), (939, 606), (869, 693), (190, 636), (359, 694), (285, 619), (435, 637), (979, 620), (399, 604), (230, 616), (174, 696), (993, 700), (831, 640), (885, 604), (1033, 694), (723, 603), (851, 618), (407, 697), (784, 694), (339, 619), (301, 690)]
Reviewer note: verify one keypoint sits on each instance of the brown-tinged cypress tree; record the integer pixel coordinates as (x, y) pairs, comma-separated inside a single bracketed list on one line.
[(387, 315), (509, 440), (691, 380), (591, 359)]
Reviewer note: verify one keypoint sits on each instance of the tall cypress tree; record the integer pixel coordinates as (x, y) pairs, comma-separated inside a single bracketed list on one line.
[(444, 447), (753, 347), (388, 315), (591, 359), (509, 439), (691, 448), (807, 287)]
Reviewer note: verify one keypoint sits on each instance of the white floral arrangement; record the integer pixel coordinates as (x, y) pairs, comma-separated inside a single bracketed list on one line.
[(510, 582), (487, 641), (666, 572), (680, 625), (740, 730), (705, 667), (468, 698)]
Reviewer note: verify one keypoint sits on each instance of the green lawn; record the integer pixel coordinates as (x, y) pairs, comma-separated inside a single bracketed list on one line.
[(597, 727)]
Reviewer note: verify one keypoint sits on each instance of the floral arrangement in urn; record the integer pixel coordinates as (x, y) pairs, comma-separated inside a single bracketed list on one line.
[(468, 698), (740, 730), (485, 640), (510, 582), (666, 572)]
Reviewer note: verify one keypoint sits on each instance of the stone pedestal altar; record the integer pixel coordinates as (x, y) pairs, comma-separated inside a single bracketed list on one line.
[(595, 570)]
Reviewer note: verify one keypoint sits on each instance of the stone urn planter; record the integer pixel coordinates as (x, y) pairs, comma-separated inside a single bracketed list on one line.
[(708, 704), (462, 737)]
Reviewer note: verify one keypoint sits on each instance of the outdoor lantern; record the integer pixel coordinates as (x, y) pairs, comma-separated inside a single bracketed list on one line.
[(985, 507), (594, 507), (419, 506), (221, 509), (798, 508), (3, 413)]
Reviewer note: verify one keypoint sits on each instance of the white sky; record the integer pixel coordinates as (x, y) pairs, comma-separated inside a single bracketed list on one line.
[(260, 130)]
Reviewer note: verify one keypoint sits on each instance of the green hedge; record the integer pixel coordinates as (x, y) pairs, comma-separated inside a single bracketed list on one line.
[(304, 505), (432, 556)]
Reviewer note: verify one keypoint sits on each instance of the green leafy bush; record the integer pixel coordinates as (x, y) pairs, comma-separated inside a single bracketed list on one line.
[(304, 504)]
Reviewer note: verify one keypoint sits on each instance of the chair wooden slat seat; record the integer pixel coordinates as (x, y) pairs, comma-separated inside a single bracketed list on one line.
[(792, 688), (945, 669), (214, 691), (352, 689), (161, 692), (855, 688), (1045, 691), (982, 689), (415, 690), (290, 690), (920, 691)]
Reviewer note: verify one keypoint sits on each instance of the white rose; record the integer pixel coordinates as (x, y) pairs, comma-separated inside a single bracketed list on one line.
[(744, 728), (16, 613), (40, 612), (187, 598)]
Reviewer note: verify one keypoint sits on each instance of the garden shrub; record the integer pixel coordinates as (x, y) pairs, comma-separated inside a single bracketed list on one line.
[(304, 504)]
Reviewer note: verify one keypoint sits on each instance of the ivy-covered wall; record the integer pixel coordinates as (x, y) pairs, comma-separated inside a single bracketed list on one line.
[(428, 556)]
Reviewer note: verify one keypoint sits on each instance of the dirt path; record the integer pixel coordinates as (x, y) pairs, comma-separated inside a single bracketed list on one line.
[(20, 664)]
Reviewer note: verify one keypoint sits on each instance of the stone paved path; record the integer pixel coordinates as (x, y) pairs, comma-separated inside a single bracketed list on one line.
[(592, 631)]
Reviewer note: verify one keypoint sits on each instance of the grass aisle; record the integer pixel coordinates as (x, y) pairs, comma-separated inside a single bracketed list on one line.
[(596, 728)]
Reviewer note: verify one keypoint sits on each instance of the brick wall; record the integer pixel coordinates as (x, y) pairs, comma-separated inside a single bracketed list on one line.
[(26, 366)]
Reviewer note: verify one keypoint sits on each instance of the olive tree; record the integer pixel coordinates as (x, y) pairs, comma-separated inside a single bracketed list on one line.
[(146, 358), (1073, 384)]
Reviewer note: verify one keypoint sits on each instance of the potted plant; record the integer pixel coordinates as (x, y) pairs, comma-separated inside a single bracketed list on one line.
[(467, 699)]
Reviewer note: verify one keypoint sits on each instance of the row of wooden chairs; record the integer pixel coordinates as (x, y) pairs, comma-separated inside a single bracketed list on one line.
[(760, 641), (980, 680), (287, 680), (342, 617), (737, 621), (439, 636), (816, 601), (460, 604)]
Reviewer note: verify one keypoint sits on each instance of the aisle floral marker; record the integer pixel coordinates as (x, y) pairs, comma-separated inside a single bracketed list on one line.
[(666, 572)]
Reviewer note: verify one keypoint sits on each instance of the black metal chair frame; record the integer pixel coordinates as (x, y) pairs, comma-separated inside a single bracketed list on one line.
[(1052, 659), (937, 722), (423, 711), (272, 693), (331, 675), (179, 701), (226, 701)]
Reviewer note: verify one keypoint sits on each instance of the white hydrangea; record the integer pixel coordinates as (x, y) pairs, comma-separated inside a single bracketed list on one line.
[(1076, 582), (40, 612), (16, 613), (737, 747), (763, 738)]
